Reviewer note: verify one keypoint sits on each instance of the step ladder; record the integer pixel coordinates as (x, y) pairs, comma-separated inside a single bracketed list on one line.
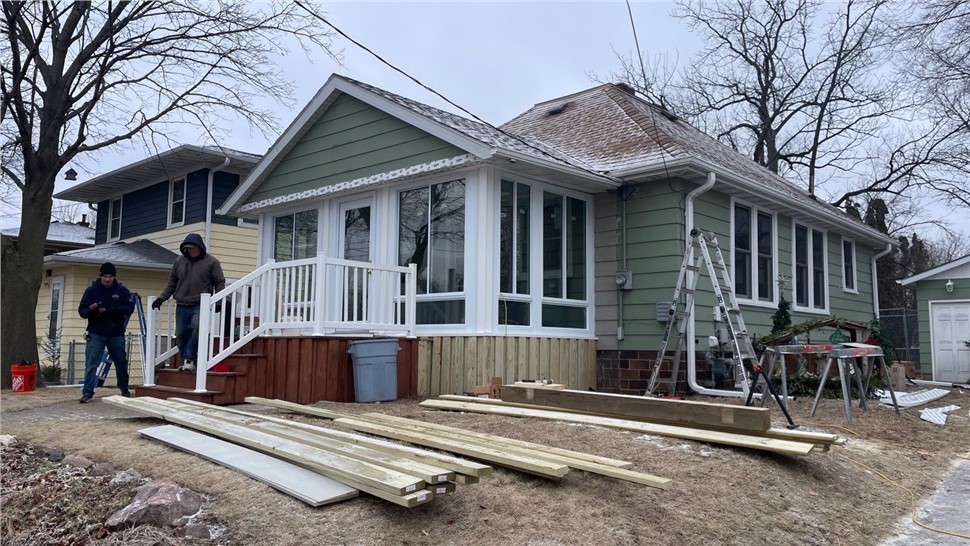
[(682, 305), (106, 362)]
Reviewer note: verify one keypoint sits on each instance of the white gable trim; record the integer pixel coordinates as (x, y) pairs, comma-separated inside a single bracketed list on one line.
[(936, 270)]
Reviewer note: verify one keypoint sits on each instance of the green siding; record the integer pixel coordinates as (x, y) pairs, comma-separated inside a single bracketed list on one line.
[(934, 290), (351, 140)]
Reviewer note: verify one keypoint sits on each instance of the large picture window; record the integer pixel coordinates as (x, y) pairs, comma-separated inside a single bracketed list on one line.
[(295, 236), (431, 235), (810, 270), (563, 261), (114, 219), (754, 254), (514, 217), (176, 216)]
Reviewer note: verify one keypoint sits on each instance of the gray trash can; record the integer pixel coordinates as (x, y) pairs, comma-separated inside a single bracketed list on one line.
[(375, 369)]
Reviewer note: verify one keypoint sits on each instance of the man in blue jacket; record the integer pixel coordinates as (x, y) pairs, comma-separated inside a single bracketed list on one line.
[(106, 304)]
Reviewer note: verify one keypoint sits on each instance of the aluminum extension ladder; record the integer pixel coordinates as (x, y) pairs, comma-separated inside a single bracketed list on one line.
[(682, 305)]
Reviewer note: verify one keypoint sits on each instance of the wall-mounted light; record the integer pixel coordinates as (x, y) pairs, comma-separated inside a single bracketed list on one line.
[(949, 286)]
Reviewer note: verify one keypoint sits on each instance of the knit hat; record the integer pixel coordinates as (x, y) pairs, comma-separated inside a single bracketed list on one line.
[(108, 269)]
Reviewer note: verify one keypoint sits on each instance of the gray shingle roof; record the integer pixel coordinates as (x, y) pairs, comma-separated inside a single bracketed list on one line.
[(62, 232), (142, 254)]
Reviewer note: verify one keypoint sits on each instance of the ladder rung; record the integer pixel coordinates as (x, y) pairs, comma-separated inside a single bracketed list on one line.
[(734, 310), (693, 268)]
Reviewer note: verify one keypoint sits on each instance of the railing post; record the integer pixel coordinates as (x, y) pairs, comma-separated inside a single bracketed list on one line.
[(151, 345), (205, 342), (320, 293), (268, 297), (410, 297)]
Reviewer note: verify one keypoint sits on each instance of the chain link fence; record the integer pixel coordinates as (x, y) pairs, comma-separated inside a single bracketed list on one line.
[(75, 359), (901, 327)]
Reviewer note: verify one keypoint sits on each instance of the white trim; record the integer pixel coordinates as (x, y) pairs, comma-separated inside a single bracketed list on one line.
[(933, 344), (941, 269), (855, 265), (171, 197), (111, 210), (247, 223), (811, 270), (755, 299)]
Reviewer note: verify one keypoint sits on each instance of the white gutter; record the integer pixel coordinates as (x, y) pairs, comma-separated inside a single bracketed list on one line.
[(209, 205), (607, 180), (875, 280)]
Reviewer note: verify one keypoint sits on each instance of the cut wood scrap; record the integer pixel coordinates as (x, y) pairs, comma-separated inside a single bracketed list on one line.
[(387, 484), (580, 464), (819, 438), (298, 408), (434, 458), (531, 465), (624, 406), (428, 473), (579, 455), (296, 481), (787, 447)]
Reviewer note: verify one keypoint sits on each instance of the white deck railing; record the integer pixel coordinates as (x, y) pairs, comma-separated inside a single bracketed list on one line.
[(315, 296)]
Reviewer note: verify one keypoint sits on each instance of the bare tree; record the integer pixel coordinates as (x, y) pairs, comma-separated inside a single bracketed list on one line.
[(79, 77)]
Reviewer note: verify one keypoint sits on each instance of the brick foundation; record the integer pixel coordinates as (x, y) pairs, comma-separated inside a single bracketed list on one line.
[(628, 372)]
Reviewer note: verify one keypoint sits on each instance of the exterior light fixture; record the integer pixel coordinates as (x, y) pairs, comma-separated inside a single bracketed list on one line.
[(949, 286)]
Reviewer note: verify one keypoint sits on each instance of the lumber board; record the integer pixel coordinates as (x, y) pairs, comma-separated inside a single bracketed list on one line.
[(579, 464), (507, 441), (430, 474), (625, 406), (464, 479), (434, 458), (819, 438), (539, 386), (294, 407), (296, 481), (531, 465), (787, 447), (387, 484)]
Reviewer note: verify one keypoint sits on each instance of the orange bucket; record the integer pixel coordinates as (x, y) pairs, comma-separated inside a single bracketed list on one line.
[(24, 377)]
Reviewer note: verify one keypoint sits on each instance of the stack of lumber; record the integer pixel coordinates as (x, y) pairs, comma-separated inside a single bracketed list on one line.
[(532, 458), (727, 424), (403, 475)]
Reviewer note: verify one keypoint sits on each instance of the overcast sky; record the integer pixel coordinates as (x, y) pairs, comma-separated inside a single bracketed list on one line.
[(494, 59)]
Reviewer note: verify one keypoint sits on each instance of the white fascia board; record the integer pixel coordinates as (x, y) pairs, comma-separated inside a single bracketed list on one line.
[(936, 270), (62, 260), (311, 112), (608, 182)]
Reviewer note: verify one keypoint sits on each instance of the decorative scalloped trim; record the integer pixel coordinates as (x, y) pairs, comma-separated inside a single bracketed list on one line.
[(396, 175)]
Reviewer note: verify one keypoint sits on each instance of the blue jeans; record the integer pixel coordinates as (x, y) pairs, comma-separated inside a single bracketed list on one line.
[(187, 331), (94, 350)]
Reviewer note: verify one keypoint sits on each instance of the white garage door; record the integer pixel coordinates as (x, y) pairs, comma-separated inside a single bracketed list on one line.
[(950, 330)]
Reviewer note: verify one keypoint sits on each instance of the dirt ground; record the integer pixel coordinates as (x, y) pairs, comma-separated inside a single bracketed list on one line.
[(719, 495)]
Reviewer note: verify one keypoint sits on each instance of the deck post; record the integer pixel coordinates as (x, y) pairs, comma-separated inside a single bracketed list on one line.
[(410, 296), (151, 345), (320, 293), (205, 342)]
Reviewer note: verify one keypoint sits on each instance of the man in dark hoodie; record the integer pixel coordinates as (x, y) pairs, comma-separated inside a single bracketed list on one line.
[(195, 272), (106, 304)]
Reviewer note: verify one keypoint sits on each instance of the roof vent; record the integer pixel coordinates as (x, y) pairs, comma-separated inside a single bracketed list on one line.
[(558, 109), (626, 88)]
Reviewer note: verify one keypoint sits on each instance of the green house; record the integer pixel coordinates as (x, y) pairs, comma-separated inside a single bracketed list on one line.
[(518, 232)]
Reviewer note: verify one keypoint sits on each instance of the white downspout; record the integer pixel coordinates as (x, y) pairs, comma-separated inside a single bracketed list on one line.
[(209, 205), (689, 347), (875, 280)]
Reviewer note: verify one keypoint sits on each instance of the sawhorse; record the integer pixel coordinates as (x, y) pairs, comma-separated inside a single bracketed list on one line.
[(776, 355), (847, 356)]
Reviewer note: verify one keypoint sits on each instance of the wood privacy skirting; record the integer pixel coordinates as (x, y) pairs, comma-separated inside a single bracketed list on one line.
[(454, 365)]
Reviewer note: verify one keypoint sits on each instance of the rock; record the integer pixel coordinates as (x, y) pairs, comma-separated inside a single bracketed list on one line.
[(128, 476), (6, 439), (55, 455), (196, 530), (161, 503), (102, 469), (78, 461)]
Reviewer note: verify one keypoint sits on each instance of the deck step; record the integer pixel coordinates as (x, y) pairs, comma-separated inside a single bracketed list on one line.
[(215, 381), (161, 391)]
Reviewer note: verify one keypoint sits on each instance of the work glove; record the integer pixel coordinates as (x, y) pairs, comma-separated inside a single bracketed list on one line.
[(157, 304)]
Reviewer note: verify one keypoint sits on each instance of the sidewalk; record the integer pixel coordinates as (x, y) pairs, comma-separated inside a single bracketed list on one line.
[(948, 509)]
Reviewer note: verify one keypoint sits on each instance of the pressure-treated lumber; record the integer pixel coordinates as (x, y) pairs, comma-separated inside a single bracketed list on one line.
[(624, 406), (428, 473), (727, 438), (484, 441), (297, 408), (387, 484), (296, 481), (455, 464), (464, 479), (534, 385), (501, 440), (531, 465), (821, 439)]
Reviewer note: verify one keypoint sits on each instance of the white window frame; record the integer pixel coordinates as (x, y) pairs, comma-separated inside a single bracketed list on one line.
[(171, 199), (811, 269), (56, 282), (855, 267), (535, 297), (292, 211), (754, 300), (111, 213)]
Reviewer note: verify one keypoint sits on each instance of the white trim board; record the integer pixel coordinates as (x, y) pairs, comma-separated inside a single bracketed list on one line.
[(310, 487)]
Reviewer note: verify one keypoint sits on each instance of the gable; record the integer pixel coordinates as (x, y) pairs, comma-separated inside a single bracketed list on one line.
[(351, 140)]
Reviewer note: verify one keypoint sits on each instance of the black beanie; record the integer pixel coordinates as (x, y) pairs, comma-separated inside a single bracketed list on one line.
[(108, 269)]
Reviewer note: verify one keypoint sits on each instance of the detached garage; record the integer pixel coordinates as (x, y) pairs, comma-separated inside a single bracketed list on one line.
[(943, 304)]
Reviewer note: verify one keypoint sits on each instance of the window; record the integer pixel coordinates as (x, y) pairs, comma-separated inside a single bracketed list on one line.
[(431, 235), (514, 217), (810, 268), (563, 261), (848, 266), (176, 209), (754, 255), (114, 219), (295, 236)]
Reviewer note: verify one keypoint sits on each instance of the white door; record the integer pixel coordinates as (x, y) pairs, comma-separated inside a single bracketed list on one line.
[(949, 335)]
